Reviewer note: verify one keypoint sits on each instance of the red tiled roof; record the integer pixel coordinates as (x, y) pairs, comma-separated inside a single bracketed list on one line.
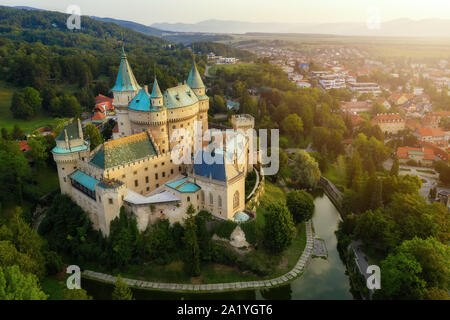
[(98, 116), (388, 117), (101, 98), (24, 146), (402, 152), (431, 132), (413, 124)]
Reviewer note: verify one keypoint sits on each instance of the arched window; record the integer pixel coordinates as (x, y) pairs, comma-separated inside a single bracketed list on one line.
[(203, 196), (189, 199), (236, 200), (211, 199), (220, 201)]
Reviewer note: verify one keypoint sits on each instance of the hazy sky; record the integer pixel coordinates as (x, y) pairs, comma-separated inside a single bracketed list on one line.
[(191, 11)]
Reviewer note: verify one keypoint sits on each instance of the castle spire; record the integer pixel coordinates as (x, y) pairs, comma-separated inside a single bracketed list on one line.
[(156, 92), (194, 80), (125, 78)]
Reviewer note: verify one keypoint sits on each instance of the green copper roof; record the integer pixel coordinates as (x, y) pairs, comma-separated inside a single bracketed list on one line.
[(124, 150), (194, 80), (72, 132), (125, 78), (140, 102), (59, 150), (156, 92), (180, 96), (84, 179), (183, 186)]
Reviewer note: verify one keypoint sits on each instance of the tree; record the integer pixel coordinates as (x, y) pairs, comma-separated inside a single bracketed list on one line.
[(306, 172), (17, 133), (37, 152), (190, 238), (293, 126), (93, 135), (32, 98), (16, 286), (354, 172), (279, 228), (121, 290), (434, 258), (394, 168), (301, 205), (19, 108), (400, 278), (76, 294)]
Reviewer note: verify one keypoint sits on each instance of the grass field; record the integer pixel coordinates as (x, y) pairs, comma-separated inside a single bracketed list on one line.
[(379, 46), (213, 69), (6, 119)]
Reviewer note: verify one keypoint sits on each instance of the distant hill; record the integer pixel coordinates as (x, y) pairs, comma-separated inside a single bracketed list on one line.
[(136, 27), (397, 28)]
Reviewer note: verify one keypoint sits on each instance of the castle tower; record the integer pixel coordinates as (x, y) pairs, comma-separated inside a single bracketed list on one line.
[(70, 148), (196, 83), (124, 90), (159, 129)]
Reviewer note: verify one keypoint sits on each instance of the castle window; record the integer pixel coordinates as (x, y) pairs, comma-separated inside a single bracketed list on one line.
[(220, 201), (179, 168), (162, 163), (136, 183), (110, 201), (135, 172), (99, 199), (163, 174), (173, 127), (189, 199), (146, 169), (123, 176), (203, 196), (171, 171), (148, 188), (162, 129), (236, 200), (157, 185), (63, 169), (211, 199), (156, 176), (156, 166), (64, 179), (146, 179)]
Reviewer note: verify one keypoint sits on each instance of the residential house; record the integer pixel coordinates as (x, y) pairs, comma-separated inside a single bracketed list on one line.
[(391, 123)]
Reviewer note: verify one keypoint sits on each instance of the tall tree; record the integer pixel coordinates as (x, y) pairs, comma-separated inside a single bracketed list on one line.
[(395, 167), (93, 135), (16, 286), (279, 228), (121, 290), (300, 204), (191, 243), (305, 172)]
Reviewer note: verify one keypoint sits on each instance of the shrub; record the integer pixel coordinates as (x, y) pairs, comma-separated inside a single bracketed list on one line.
[(225, 228), (251, 231)]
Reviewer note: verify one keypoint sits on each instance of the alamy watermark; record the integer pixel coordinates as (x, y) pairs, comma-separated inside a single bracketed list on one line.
[(74, 20), (373, 21), (74, 280), (373, 282)]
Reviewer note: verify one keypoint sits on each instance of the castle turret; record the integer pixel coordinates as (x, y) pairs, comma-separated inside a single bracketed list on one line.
[(195, 81), (70, 147), (156, 96), (124, 90)]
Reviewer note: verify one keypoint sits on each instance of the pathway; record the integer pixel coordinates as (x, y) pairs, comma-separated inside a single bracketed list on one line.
[(245, 285)]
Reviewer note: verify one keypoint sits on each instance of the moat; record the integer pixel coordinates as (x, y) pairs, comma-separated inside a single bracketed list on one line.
[(322, 279)]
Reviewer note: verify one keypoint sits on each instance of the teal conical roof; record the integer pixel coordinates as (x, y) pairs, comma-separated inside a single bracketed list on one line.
[(125, 78), (156, 92), (194, 80)]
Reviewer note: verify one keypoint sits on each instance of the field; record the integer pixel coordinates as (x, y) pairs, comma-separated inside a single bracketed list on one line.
[(6, 119), (378, 46)]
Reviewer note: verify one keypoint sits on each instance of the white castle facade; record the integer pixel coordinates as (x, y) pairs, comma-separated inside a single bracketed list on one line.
[(136, 169)]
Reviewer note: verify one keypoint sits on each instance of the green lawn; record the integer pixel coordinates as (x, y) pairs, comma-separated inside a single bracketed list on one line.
[(335, 175), (6, 119), (231, 67)]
